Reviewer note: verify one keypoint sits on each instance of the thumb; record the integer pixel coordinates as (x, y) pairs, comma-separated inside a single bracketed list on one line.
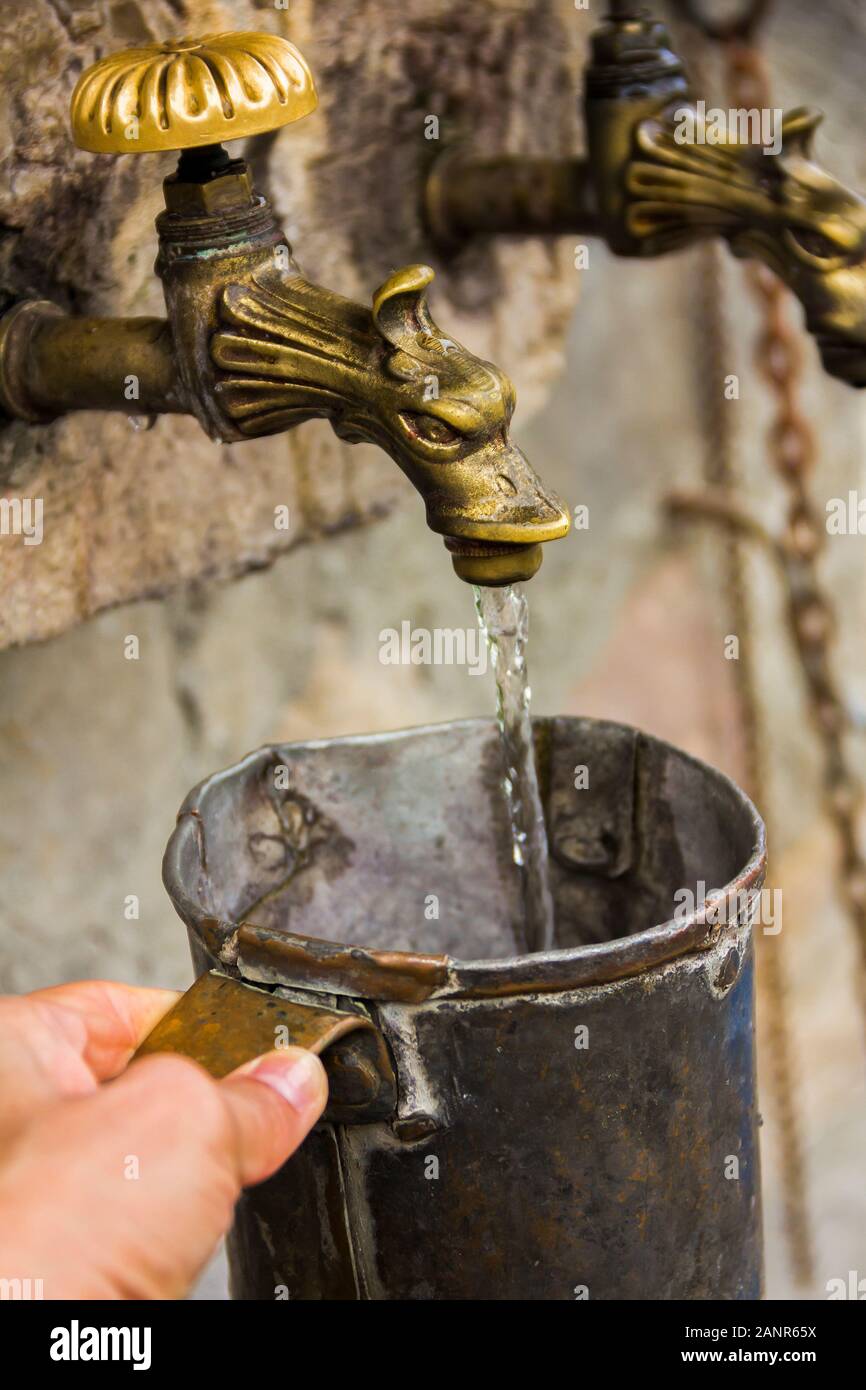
[(273, 1102)]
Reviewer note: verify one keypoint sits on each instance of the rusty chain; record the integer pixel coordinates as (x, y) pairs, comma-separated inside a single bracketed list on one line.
[(810, 612), (722, 479)]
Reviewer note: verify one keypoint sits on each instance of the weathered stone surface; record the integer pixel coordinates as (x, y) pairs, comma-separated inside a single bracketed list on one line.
[(129, 515)]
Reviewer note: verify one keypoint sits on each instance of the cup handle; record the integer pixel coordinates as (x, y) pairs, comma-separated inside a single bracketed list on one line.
[(222, 1022)]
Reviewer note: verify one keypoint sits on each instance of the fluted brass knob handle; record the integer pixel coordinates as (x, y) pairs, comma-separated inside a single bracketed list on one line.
[(190, 92)]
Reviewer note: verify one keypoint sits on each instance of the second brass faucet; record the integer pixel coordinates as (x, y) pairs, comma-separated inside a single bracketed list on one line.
[(252, 348), (650, 184)]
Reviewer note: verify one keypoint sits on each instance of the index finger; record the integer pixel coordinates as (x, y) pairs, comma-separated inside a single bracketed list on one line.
[(63, 1042), (104, 1021)]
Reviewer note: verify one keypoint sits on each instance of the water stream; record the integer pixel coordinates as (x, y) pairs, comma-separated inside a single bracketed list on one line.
[(503, 614)]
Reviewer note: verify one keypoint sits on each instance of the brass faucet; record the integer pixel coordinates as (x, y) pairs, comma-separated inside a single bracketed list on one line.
[(648, 186), (249, 346)]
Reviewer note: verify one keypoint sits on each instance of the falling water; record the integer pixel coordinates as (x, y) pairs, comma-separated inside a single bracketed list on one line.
[(503, 614)]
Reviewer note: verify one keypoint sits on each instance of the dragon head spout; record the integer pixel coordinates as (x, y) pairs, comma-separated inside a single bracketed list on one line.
[(447, 416), (287, 350), (817, 245), (781, 207)]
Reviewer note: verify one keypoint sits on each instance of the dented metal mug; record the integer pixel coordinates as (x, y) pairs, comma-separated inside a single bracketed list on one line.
[(579, 1123)]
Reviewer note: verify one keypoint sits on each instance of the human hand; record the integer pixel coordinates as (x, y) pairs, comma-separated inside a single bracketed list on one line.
[(115, 1182)]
